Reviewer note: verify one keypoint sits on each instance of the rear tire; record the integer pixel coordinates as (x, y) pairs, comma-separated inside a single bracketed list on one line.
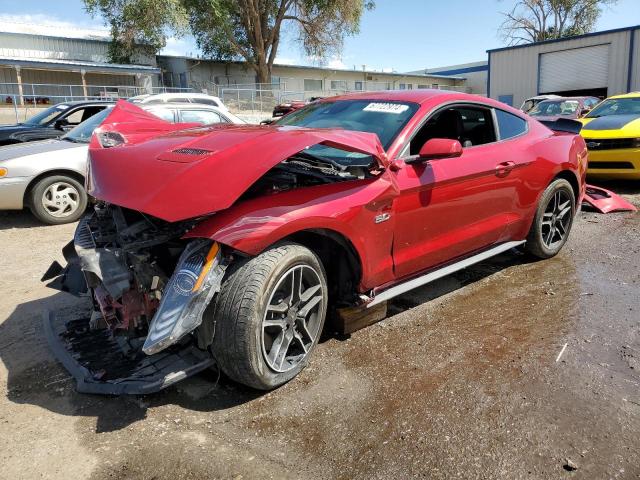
[(553, 220), (265, 329), (58, 199)]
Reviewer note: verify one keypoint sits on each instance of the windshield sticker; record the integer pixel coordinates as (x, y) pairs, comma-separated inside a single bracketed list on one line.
[(394, 108)]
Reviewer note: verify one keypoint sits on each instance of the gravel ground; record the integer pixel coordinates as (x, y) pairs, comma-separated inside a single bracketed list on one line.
[(462, 380)]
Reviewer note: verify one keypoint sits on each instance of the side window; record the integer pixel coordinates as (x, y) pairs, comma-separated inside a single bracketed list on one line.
[(204, 117), (591, 102), (164, 114), (470, 125), (75, 117), (510, 125)]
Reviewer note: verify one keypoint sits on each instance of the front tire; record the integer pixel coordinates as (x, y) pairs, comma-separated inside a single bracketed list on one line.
[(58, 199), (553, 220), (269, 316)]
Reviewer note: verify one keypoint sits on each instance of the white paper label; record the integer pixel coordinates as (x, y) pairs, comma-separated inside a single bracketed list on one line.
[(394, 108)]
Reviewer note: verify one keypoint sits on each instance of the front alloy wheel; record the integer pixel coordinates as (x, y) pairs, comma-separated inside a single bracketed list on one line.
[(268, 316), (291, 320)]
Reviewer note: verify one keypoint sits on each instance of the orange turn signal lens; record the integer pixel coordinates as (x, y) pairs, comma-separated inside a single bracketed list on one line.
[(3, 172), (211, 256)]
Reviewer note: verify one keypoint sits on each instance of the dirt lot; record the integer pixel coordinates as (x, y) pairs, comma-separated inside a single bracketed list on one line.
[(461, 381)]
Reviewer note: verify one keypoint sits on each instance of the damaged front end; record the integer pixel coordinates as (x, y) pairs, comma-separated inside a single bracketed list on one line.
[(149, 290)]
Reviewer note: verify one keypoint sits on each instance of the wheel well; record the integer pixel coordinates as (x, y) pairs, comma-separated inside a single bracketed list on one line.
[(35, 180), (569, 176), (339, 258)]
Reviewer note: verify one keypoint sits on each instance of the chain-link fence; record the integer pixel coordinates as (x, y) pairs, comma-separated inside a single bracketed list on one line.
[(18, 101)]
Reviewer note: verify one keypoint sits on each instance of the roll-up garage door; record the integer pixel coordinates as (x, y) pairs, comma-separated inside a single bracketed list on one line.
[(576, 69)]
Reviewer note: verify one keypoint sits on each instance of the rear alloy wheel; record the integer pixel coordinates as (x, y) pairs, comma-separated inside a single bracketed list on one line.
[(553, 220), (269, 316), (58, 199)]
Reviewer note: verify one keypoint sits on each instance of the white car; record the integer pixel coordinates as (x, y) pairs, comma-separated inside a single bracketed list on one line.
[(200, 98), (529, 103), (188, 113), (48, 176)]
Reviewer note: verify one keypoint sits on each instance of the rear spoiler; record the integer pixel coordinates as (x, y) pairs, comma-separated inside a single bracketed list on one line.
[(563, 125)]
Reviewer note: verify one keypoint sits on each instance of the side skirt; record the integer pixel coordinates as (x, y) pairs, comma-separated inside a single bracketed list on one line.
[(441, 272)]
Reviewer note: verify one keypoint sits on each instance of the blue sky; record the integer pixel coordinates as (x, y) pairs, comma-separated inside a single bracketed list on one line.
[(399, 34)]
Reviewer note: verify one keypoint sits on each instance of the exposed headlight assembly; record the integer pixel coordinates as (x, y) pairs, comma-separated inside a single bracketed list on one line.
[(196, 280), (110, 139)]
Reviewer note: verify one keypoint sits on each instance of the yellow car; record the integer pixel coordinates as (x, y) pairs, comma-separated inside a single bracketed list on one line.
[(612, 133)]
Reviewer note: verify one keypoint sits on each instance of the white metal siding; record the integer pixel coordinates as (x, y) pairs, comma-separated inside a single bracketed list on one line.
[(575, 69), (515, 71)]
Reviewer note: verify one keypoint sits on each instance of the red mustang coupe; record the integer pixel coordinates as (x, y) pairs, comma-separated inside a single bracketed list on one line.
[(231, 245)]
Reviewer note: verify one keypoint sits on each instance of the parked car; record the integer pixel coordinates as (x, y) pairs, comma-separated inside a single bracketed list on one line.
[(566, 107), (51, 122), (232, 245), (612, 133), (191, 97), (192, 113), (283, 108), (529, 103), (48, 176)]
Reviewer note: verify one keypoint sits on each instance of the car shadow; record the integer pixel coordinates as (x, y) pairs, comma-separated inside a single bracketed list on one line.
[(18, 219), (34, 377), (622, 187)]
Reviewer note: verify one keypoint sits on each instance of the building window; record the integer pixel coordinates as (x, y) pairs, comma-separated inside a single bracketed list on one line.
[(338, 84), (435, 85), (275, 80), (403, 86), (358, 86), (508, 99), (409, 86), (312, 85), (423, 86)]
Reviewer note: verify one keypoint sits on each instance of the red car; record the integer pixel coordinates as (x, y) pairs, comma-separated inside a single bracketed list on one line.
[(564, 107), (232, 245), (282, 109)]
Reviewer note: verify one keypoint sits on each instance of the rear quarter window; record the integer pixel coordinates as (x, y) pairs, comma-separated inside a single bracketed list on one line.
[(510, 125)]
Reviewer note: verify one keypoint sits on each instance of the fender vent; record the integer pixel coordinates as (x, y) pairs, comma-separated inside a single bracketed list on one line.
[(191, 151)]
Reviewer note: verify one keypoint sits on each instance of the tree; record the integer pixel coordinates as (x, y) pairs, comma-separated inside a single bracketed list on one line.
[(232, 29), (537, 20)]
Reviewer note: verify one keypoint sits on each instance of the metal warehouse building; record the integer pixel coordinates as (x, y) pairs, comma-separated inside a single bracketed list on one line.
[(600, 64), (52, 66)]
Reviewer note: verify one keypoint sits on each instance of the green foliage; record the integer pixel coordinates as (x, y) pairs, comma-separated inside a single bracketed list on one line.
[(231, 29), (538, 20)]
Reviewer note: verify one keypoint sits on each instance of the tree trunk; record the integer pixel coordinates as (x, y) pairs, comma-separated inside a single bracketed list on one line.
[(263, 72)]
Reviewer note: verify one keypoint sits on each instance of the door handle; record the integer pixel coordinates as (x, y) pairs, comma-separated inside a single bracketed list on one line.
[(503, 169)]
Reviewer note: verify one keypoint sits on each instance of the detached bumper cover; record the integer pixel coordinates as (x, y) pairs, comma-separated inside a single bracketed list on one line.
[(606, 201), (100, 366)]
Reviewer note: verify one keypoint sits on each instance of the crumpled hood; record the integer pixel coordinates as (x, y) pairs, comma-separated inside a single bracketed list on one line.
[(8, 152), (174, 173)]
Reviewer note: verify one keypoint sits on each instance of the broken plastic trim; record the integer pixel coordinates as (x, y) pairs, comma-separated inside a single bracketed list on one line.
[(196, 280), (151, 374)]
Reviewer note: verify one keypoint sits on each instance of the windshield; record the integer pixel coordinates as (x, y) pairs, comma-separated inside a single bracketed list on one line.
[(549, 108), (82, 133), (384, 118), (47, 115), (616, 106)]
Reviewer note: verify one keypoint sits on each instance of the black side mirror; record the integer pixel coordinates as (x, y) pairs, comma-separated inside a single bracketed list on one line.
[(61, 124)]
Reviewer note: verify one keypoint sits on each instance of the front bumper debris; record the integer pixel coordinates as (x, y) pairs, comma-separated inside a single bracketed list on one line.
[(606, 201), (101, 365)]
